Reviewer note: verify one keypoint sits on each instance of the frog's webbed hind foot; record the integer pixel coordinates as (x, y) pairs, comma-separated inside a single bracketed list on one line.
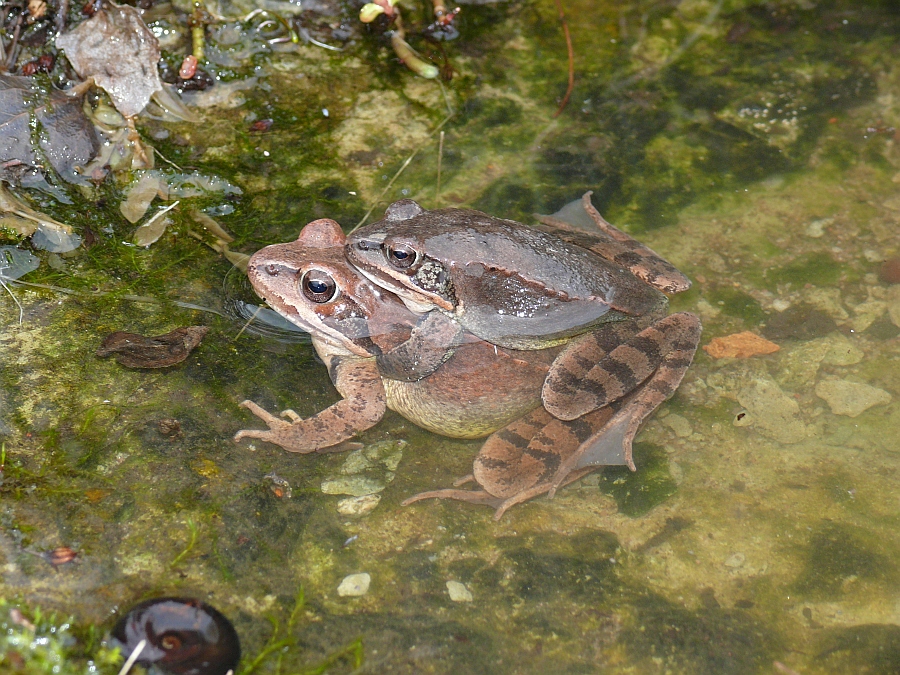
[(611, 443)]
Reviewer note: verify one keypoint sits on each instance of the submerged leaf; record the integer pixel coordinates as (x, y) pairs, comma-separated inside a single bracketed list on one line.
[(137, 351), (49, 235), (67, 139), (117, 50), (15, 263)]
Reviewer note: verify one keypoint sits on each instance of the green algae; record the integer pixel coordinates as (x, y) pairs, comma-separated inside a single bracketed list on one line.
[(638, 492), (669, 149)]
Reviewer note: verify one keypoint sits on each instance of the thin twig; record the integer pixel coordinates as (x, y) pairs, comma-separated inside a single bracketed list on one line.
[(11, 60), (571, 51), (437, 191), (13, 296)]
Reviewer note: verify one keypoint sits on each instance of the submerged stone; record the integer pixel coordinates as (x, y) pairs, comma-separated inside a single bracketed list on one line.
[(354, 585), (851, 398)]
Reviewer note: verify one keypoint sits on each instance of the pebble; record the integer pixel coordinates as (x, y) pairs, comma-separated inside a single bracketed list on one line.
[(366, 471), (357, 486), (678, 424), (851, 398), (458, 592), (358, 506), (354, 585), (735, 560), (893, 303)]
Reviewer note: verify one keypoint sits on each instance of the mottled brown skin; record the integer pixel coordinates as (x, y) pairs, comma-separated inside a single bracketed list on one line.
[(359, 324), (532, 455)]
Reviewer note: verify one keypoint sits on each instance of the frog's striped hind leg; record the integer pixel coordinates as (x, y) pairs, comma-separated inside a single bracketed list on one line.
[(496, 466), (616, 437), (659, 354)]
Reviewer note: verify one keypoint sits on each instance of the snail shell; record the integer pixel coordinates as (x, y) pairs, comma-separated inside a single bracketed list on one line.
[(184, 637)]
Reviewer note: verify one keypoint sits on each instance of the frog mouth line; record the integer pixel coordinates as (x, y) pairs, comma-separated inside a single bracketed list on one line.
[(411, 300)]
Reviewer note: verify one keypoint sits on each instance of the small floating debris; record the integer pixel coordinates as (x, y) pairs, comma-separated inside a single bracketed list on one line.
[(740, 346), (280, 487), (458, 592), (182, 636), (354, 585), (136, 351)]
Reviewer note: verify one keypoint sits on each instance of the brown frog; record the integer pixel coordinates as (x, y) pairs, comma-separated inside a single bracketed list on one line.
[(354, 324), (500, 263)]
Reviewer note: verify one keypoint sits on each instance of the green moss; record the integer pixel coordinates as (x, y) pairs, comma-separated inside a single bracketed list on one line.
[(871, 648), (736, 304), (638, 492), (819, 269), (33, 642), (706, 641), (836, 554)]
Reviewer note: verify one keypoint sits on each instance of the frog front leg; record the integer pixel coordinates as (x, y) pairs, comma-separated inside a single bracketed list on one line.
[(431, 342), (362, 406)]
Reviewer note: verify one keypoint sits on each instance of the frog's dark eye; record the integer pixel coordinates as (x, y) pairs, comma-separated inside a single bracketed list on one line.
[(401, 256), (318, 286)]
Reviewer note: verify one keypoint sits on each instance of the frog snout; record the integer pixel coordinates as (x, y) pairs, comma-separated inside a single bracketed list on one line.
[(365, 245)]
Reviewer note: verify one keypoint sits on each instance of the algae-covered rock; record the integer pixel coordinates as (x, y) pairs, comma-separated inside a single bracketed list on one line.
[(770, 411), (851, 398), (366, 471)]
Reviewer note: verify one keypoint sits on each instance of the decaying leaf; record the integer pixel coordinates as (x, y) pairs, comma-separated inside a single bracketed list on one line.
[(66, 141), (117, 50), (740, 346), (46, 234), (136, 351), (14, 262), (140, 194)]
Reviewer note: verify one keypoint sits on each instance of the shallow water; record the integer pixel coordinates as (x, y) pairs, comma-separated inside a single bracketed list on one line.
[(752, 144)]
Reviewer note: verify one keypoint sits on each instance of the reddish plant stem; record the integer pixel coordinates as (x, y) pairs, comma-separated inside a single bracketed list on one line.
[(571, 51)]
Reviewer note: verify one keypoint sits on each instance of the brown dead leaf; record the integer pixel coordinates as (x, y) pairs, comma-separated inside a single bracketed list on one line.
[(117, 50), (161, 351), (740, 346)]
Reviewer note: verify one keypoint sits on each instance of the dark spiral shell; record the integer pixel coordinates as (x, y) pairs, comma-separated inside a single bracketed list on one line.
[(184, 637)]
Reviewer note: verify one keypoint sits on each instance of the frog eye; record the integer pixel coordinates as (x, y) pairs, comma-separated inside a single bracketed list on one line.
[(318, 286), (401, 256)]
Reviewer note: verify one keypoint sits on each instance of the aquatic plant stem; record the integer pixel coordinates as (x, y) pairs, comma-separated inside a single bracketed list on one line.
[(133, 657), (437, 191), (13, 296), (571, 53)]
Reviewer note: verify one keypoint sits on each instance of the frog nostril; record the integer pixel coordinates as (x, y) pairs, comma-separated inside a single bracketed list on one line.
[(272, 270), (363, 245)]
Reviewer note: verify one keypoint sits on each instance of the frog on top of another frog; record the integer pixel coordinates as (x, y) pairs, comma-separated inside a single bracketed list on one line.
[(532, 455), (476, 389), (599, 292)]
